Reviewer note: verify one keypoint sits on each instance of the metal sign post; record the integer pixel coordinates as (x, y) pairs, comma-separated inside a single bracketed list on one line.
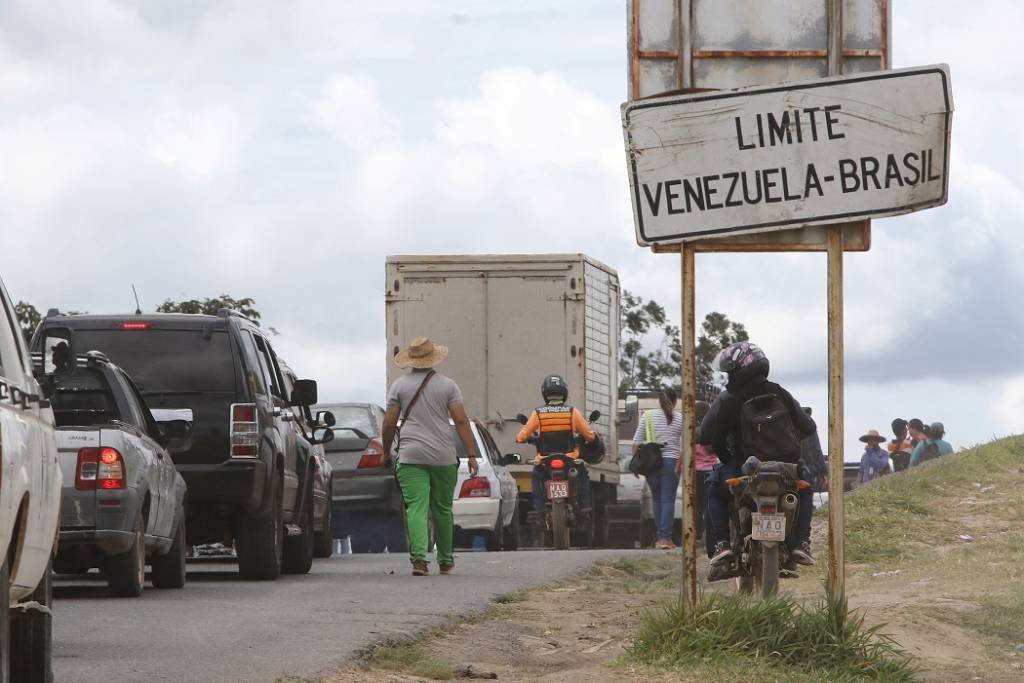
[(797, 145)]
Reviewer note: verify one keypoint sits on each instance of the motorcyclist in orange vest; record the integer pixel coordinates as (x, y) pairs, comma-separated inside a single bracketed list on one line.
[(555, 426)]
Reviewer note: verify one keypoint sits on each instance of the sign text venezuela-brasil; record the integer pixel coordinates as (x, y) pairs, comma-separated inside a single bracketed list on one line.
[(775, 157)]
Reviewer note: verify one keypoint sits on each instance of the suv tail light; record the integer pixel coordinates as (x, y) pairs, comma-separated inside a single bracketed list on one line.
[(475, 487), (244, 430), (99, 468), (373, 456), (135, 326)]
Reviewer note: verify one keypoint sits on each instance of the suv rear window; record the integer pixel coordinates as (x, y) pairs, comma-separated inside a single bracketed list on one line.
[(166, 360)]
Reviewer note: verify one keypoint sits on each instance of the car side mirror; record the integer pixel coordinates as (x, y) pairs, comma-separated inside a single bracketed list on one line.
[(521, 419), (304, 392), (632, 404), (323, 435), (595, 416), (511, 459), (325, 418)]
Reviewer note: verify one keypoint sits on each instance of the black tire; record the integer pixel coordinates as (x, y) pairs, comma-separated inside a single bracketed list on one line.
[(30, 635), (126, 572), (766, 576), (323, 541), (511, 535), (559, 525), (298, 550), (169, 568), (493, 538), (647, 533), (259, 542)]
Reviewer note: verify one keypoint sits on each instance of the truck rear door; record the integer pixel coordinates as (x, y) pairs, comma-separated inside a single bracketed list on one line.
[(78, 508)]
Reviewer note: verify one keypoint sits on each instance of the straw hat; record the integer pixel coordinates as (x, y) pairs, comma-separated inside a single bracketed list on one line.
[(872, 435), (421, 353)]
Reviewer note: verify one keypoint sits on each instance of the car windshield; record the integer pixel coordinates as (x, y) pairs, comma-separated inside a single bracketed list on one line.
[(166, 360), (355, 417)]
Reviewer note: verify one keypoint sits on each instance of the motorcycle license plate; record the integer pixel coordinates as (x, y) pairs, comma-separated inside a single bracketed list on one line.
[(768, 527), (558, 489)]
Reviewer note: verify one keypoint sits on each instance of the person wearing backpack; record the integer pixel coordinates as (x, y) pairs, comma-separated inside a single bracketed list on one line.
[(932, 447), (752, 417), (663, 425), (424, 401)]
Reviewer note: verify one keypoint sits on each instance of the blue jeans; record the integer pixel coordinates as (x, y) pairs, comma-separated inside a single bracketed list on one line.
[(540, 494), (719, 497), (664, 485)]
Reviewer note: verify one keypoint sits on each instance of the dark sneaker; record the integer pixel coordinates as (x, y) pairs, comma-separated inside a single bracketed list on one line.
[(802, 554), (446, 568), (720, 571), (722, 553), (419, 568)]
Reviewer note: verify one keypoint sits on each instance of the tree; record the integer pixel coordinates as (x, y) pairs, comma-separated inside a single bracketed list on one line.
[(28, 318), (210, 306), (717, 332), (662, 365)]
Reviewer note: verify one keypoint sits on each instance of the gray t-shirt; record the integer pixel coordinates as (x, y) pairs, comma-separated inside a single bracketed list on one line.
[(427, 437)]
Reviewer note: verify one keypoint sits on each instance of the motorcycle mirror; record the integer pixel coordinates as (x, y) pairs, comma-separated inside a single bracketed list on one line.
[(521, 419), (595, 416)]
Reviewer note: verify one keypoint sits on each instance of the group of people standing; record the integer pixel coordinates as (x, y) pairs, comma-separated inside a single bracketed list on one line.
[(913, 443)]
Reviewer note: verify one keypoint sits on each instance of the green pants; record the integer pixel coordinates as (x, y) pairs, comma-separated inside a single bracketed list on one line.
[(428, 488)]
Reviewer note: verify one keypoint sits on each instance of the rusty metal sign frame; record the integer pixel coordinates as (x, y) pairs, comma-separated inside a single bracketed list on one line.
[(832, 239)]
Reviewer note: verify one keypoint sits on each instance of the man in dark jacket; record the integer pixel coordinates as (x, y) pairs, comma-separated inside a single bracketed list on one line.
[(747, 368)]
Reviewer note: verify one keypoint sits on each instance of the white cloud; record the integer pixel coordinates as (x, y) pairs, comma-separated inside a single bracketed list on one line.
[(350, 108), (200, 143)]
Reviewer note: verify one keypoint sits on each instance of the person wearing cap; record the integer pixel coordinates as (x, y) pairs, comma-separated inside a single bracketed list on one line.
[(933, 445), (875, 460), (427, 403)]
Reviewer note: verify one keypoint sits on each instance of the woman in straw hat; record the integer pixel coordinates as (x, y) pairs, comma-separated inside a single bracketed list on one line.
[(424, 401), (875, 461)]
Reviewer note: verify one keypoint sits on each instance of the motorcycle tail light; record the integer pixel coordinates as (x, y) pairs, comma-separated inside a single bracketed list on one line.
[(558, 464), (767, 509)]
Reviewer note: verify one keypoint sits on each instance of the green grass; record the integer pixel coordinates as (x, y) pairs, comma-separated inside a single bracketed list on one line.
[(409, 658), (779, 637), (1001, 617)]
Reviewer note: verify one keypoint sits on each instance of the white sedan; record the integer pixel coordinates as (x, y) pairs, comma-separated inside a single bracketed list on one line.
[(488, 502)]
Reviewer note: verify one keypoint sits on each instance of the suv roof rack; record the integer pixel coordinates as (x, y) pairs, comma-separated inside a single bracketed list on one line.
[(92, 358)]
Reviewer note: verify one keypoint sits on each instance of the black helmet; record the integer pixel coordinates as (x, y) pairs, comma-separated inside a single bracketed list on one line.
[(554, 388), (593, 452), (742, 362)]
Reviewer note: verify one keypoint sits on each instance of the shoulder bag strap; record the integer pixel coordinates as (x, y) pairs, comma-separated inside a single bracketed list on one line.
[(408, 408)]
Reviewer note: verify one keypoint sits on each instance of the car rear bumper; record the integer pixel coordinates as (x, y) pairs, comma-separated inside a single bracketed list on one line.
[(234, 482), (109, 541), (365, 494), (476, 514)]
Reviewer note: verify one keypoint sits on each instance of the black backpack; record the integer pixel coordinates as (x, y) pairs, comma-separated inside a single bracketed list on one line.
[(767, 430), (929, 452)]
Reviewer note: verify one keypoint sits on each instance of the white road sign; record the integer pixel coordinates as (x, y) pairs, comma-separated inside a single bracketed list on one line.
[(784, 156)]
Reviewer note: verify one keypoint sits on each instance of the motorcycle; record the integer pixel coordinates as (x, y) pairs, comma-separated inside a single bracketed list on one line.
[(764, 512), (559, 474)]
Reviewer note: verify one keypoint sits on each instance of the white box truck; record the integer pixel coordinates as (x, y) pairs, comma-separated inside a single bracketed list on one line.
[(510, 320)]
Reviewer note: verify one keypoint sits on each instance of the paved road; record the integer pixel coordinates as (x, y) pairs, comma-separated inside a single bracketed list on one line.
[(220, 629)]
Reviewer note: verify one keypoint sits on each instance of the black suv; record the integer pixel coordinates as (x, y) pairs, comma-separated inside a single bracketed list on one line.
[(248, 481)]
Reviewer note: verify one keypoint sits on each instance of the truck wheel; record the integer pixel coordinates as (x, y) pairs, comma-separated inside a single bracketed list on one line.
[(323, 541), (492, 538), (298, 550), (169, 568), (127, 572), (511, 533), (259, 542), (31, 636), (559, 525)]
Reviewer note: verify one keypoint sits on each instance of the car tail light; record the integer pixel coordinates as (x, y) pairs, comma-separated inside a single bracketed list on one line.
[(475, 487), (373, 456), (135, 326), (99, 468), (244, 431)]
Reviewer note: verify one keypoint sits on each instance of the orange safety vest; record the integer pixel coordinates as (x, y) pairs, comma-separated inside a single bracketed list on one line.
[(556, 433)]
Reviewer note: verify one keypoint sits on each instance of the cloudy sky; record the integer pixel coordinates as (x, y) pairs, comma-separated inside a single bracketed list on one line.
[(281, 150)]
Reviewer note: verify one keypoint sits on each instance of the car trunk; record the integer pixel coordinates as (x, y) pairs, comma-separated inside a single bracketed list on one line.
[(78, 508)]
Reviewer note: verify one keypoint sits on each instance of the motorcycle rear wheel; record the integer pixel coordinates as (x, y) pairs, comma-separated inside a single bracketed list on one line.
[(766, 577), (559, 525)]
